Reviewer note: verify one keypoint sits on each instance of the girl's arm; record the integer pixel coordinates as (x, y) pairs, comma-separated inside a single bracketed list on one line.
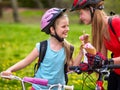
[(116, 60), (79, 57), (23, 63), (104, 52)]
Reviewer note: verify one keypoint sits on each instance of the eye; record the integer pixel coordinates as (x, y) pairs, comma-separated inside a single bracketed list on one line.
[(63, 26)]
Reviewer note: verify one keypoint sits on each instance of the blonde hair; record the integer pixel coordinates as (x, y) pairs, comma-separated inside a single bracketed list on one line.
[(99, 29), (68, 52)]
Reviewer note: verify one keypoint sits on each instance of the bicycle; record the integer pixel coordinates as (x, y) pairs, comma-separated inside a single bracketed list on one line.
[(39, 81), (103, 72)]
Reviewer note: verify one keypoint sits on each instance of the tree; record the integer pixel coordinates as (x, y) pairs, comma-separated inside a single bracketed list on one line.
[(1, 14), (15, 10), (39, 4), (112, 5)]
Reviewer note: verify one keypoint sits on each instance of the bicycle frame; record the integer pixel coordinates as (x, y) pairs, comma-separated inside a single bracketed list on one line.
[(99, 82), (103, 71), (15, 78), (38, 81)]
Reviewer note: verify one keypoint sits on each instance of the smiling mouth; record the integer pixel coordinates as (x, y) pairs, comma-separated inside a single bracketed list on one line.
[(65, 33)]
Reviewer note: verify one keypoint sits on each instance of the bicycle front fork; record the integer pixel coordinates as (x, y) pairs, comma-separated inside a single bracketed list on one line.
[(99, 85)]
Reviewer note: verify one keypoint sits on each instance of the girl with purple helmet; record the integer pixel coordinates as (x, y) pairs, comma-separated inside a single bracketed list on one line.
[(103, 38), (56, 23)]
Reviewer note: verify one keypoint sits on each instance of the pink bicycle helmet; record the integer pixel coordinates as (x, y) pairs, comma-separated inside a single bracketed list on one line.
[(78, 4), (49, 17)]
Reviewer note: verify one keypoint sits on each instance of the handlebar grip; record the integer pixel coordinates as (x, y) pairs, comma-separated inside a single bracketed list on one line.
[(7, 77), (76, 69), (39, 81), (73, 67), (11, 77), (69, 87), (114, 66)]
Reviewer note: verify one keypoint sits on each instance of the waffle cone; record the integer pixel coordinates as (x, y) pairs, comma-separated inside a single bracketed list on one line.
[(91, 50)]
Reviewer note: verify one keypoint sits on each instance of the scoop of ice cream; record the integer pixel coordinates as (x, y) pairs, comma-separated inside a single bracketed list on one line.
[(81, 38), (84, 38), (88, 45)]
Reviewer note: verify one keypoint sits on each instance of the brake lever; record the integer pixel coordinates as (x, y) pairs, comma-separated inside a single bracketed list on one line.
[(104, 70), (77, 70)]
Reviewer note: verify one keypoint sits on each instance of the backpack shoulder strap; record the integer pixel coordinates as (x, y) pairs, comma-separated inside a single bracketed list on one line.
[(42, 51), (110, 23), (43, 48), (71, 50)]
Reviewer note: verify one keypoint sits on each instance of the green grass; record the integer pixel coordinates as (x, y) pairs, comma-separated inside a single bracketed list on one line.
[(30, 14)]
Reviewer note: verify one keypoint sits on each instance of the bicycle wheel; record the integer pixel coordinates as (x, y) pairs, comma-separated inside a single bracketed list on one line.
[(83, 81)]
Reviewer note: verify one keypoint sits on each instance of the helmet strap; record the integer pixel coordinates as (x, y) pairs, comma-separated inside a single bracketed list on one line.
[(92, 10), (57, 37)]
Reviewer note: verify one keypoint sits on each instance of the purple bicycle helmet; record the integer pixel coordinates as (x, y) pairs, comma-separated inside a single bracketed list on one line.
[(49, 17), (79, 4)]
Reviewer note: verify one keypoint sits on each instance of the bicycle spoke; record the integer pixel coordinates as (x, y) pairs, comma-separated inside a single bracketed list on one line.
[(92, 80)]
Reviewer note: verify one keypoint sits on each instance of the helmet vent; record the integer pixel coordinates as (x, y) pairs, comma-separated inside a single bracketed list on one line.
[(83, 2), (75, 2)]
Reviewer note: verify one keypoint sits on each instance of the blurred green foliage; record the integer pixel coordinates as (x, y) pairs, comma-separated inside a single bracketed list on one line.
[(110, 5)]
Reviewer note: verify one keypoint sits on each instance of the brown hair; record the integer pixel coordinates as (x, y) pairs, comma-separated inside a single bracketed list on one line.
[(99, 29)]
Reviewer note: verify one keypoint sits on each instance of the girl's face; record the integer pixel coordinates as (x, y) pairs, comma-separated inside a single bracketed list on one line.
[(85, 16), (62, 26)]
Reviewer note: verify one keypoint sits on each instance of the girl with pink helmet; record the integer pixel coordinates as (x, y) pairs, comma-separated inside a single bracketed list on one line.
[(56, 23)]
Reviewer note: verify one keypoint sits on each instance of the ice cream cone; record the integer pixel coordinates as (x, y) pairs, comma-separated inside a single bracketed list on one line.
[(91, 50)]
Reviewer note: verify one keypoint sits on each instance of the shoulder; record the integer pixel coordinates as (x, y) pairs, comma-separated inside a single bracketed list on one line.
[(116, 24), (38, 44), (116, 20)]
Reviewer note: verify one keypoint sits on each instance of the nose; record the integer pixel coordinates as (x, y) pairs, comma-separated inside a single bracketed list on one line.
[(67, 28)]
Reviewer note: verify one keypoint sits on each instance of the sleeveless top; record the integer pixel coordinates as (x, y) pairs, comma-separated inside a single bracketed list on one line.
[(51, 68)]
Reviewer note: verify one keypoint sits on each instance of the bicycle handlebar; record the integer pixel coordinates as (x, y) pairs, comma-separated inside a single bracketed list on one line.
[(68, 87), (78, 69), (11, 77), (39, 81), (114, 66), (62, 86), (73, 67)]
